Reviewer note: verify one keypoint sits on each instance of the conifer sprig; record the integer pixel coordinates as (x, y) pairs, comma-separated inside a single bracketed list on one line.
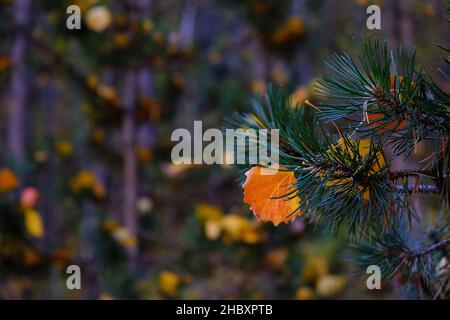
[(382, 93), (336, 152)]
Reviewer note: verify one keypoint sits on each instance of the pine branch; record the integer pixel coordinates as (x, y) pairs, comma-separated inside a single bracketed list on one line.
[(344, 179), (341, 181), (401, 107)]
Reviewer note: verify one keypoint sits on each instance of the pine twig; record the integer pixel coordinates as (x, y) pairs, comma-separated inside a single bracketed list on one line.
[(421, 188), (431, 248)]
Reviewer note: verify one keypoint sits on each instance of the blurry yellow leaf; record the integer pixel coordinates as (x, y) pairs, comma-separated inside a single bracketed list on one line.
[(304, 293), (233, 226), (64, 148), (124, 237), (329, 286), (33, 223), (87, 181), (168, 282), (205, 212), (315, 267), (251, 235), (213, 230)]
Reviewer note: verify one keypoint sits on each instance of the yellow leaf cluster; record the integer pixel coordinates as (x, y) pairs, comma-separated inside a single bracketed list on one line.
[(321, 283), (231, 227)]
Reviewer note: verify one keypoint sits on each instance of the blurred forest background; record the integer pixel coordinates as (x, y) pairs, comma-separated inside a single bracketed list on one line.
[(85, 123)]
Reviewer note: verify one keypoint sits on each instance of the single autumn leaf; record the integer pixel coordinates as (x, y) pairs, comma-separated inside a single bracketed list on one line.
[(264, 194), (33, 223)]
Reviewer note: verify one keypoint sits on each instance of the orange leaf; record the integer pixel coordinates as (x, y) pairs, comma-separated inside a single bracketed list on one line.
[(261, 192)]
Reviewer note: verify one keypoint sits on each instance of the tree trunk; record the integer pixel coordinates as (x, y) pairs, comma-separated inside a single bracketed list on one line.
[(19, 86), (129, 159), (187, 25), (303, 59), (188, 108), (407, 23), (132, 81)]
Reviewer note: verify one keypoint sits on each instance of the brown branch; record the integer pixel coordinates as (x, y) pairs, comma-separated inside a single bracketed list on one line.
[(420, 188)]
